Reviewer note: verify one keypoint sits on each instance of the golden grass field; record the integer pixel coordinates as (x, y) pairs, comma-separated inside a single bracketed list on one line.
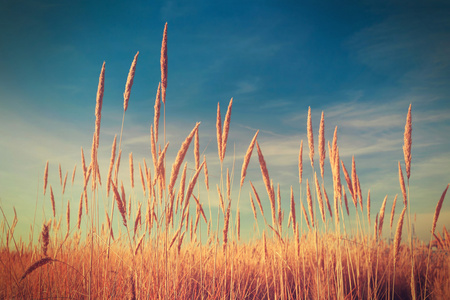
[(157, 251)]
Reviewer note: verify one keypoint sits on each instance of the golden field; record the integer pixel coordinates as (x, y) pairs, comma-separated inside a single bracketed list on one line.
[(170, 243)]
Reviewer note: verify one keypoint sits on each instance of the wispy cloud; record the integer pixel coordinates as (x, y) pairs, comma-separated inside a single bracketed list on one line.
[(411, 45)]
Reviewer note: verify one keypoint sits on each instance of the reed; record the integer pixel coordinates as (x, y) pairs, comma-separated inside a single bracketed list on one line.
[(120, 204), (321, 146), (307, 264), (266, 179), (438, 210), (179, 158), (247, 157), (129, 83), (164, 65), (300, 162), (131, 170), (45, 238), (73, 173), (219, 132), (46, 176), (226, 129), (381, 216), (393, 212), (293, 215), (327, 200), (310, 138), (402, 185), (407, 143), (60, 174), (41, 262), (52, 199), (398, 235), (319, 198), (64, 183), (368, 206), (310, 204), (68, 218)]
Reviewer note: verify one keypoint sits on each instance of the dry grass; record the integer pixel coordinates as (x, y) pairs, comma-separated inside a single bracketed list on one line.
[(169, 255)]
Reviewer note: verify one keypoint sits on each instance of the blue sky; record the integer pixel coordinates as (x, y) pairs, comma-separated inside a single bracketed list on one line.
[(361, 62)]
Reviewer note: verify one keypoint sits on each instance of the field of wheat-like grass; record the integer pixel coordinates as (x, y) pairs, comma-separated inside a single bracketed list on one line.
[(150, 245)]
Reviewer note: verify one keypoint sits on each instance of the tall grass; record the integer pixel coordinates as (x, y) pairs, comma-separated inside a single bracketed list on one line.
[(163, 255)]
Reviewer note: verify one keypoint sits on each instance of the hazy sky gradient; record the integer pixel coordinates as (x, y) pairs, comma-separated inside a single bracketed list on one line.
[(361, 62)]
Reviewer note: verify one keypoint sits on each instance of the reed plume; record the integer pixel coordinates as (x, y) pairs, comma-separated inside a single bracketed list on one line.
[(310, 138), (129, 83), (180, 157), (45, 238), (137, 220), (321, 139), (226, 221), (247, 157), (182, 184), (280, 217), (407, 143), (398, 235), (327, 200), (319, 198), (80, 212), (228, 185), (310, 204), (68, 218), (337, 174), (42, 262), (402, 184), (73, 173), (60, 174), (258, 200), (253, 205), (46, 176), (368, 206), (347, 179), (305, 215), (358, 186), (381, 216), (52, 199), (266, 179), (142, 178), (344, 195), (192, 183), (226, 128), (197, 150), (120, 204), (64, 183), (131, 170), (222, 206), (139, 243), (238, 226), (393, 211), (157, 113), (116, 170), (164, 65), (206, 173), (300, 162), (334, 146), (83, 164), (354, 183), (160, 165), (219, 132), (111, 164), (438, 210), (293, 215), (99, 104)]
